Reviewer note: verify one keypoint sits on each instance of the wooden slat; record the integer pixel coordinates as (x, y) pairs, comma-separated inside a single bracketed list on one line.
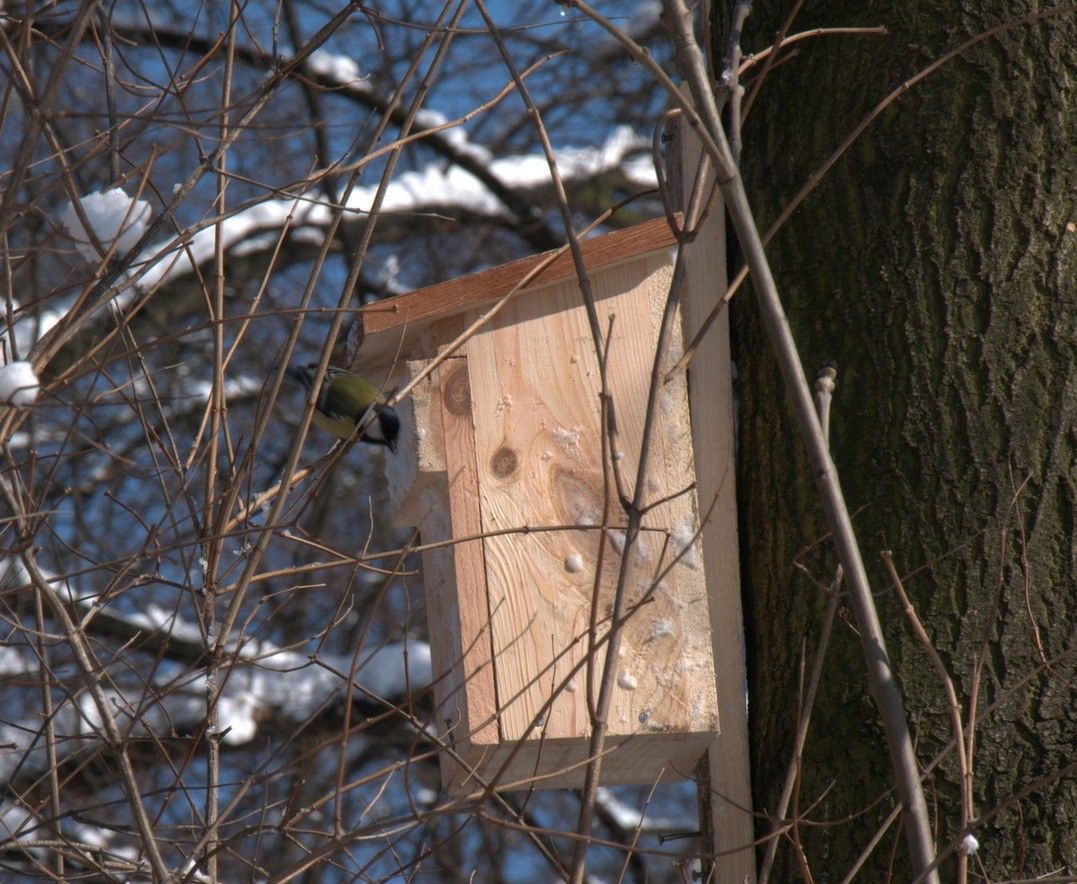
[(727, 801), (470, 292), (536, 449), (628, 760), (453, 575), (474, 652)]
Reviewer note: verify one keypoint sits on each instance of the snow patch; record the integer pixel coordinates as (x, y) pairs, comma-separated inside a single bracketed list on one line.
[(618, 540), (19, 385), (114, 219), (237, 717), (341, 69), (661, 628)]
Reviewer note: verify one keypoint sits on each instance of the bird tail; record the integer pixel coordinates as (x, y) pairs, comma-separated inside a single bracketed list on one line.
[(302, 375)]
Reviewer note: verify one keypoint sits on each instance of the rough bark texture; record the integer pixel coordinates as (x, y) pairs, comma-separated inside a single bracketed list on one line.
[(936, 266)]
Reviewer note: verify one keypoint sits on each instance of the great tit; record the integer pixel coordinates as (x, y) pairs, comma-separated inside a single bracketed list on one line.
[(343, 402)]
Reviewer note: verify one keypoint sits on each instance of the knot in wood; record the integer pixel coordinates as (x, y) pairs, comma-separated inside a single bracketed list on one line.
[(505, 462), (456, 392)]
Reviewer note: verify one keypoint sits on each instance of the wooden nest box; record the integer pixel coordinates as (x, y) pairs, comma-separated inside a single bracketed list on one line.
[(500, 465)]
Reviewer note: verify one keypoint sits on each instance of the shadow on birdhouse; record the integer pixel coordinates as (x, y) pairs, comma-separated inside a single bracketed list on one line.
[(500, 465)]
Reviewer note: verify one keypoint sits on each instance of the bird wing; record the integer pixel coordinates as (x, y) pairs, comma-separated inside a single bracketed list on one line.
[(349, 400)]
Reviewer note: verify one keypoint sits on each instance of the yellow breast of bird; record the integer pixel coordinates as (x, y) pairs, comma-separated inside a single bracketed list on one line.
[(341, 427)]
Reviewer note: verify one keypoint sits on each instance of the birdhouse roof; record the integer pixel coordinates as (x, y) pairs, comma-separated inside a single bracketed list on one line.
[(400, 327)]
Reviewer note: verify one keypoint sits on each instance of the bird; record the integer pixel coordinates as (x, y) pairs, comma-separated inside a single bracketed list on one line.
[(343, 402)]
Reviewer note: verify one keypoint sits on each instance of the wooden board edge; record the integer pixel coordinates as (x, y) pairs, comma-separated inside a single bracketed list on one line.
[(469, 292)]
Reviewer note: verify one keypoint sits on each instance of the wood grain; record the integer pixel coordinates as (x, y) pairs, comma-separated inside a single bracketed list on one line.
[(469, 555), (535, 382)]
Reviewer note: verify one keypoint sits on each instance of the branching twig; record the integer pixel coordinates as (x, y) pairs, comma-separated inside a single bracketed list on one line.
[(113, 736), (729, 75)]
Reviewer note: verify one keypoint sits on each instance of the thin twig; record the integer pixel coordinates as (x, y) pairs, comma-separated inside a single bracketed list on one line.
[(956, 844), (792, 772), (104, 288), (825, 384), (47, 680), (752, 60), (110, 99), (337, 323), (112, 736), (217, 405), (824, 389), (772, 55), (952, 704), (729, 75), (1004, 697)]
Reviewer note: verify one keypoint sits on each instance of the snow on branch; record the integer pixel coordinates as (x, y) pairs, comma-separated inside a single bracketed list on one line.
[(266, 683), (113, 220), (23, 832), (629, 819), (19, 384), (433, 189)]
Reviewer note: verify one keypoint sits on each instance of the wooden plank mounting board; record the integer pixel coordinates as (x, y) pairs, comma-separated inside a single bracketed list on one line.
[(726, 815)]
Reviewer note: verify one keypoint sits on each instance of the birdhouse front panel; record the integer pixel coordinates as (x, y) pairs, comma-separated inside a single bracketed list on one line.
[(535, 390), (520, 477)]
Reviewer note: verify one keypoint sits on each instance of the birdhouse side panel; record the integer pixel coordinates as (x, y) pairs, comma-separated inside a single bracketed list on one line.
[(465, 610)]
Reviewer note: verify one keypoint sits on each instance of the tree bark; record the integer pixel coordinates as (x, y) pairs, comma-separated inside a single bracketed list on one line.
[(935, 265)]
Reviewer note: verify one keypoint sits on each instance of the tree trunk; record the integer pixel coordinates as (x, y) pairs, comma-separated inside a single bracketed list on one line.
[(935, 266)]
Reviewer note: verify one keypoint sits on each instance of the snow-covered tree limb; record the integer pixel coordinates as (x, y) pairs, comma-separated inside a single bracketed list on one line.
[(266, 683)]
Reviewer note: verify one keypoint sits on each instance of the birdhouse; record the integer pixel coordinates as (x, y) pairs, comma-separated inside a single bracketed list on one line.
[(510, 471)]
